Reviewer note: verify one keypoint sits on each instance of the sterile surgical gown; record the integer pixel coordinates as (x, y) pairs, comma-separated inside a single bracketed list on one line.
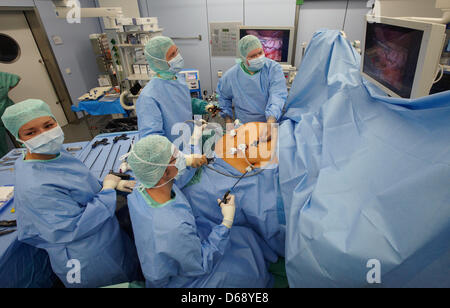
[(175, 251), (61, 209), (255, 97), (364, 178), (161, 105), (258, 202)]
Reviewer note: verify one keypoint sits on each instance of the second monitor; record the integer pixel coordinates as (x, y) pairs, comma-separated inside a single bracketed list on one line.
[(277, 42)]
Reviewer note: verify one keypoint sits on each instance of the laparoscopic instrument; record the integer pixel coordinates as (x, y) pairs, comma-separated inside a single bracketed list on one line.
[(5, 225), (224, 199)]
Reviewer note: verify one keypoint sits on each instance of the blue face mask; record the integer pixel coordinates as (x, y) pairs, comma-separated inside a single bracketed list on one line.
[(176, 64), (49, 142), (256, 64), (180, 164)]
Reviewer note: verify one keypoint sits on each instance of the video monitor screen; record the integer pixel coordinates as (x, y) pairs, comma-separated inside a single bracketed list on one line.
[(391, 56), (275, 42)]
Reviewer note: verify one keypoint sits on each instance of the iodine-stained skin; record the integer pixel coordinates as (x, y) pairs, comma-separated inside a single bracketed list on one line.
[(257, 153)]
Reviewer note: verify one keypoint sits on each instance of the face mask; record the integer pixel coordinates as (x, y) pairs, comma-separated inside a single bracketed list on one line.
[(49, 142), (176, 64), (256, 64), (180, 164)]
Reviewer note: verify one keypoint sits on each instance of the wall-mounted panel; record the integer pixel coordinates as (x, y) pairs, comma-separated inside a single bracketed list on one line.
[(223, 11)]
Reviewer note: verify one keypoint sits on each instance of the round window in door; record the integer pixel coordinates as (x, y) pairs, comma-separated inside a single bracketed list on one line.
[(9, 49)]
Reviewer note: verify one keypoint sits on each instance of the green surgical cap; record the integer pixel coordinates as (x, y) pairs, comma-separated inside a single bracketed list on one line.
[(149, 159), (21, 113), (247, 44), (155, 53)]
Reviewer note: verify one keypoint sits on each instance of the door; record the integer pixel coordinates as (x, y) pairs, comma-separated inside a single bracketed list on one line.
[(35, 81)]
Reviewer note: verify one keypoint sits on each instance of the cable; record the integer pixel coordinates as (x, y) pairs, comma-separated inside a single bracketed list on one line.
[(345, 16), (234, 176), (209, 46), (442, 74)]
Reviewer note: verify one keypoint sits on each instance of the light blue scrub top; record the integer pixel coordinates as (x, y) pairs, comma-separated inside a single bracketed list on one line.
[(60, 208), (255, 97), (161, 105), (170, 250)]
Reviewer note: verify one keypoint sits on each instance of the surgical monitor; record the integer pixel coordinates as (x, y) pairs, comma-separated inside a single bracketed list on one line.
[(277, 42), (401, 56)]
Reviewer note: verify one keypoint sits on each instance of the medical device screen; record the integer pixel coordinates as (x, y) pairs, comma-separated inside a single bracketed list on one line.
[(275, 42), (391, 56)]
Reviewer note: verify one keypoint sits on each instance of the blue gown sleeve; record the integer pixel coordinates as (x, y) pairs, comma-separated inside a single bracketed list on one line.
[(149, 117), (59, 219), (225, 94), (277, 93), (185, 254)]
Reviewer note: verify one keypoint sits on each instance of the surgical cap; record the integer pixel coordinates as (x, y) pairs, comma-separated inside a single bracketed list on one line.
[(155, 53), (21, 113), (247, 44), (149, 159)]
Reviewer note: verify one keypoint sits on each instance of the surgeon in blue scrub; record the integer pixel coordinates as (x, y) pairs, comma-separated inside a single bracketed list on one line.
[(63, 208), (174, 249), (166, 99), (255, 85)]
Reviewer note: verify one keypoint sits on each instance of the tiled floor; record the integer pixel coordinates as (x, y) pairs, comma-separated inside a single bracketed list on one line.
[(80, 131)]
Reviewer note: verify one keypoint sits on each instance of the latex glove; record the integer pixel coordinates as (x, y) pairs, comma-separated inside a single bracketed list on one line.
[(229, 124), (266, 132), (126, 186), (124, 167), (197, 135), (196, 160), (228, 211), (110, 181)]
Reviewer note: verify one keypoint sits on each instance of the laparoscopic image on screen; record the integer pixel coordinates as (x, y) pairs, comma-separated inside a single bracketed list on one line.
[(275, 43), (391, 56)]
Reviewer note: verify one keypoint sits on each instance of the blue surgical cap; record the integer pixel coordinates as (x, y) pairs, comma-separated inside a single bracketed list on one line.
[(155, 53), (247, 44), (19, 114), (149, 159)]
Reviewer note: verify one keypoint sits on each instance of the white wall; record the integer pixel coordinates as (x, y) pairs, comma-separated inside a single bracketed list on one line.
[(401, 8), (315, 15)]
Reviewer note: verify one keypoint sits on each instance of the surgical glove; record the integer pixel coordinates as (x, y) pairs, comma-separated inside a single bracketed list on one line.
[(197, 135), (126, 186), (196, 160), (266, 131), (110, 182), (229, 125), (124, 167), (228, 210)]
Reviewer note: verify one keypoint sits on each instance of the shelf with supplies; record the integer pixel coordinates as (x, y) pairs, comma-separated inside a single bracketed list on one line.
[(130, 45), (141, 31), (136, 77)]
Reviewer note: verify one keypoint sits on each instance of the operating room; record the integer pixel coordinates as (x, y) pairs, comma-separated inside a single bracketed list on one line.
[(225, 144)]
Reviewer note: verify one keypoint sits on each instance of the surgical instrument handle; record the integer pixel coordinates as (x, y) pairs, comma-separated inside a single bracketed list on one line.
[(231, 189), (123, 176)]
